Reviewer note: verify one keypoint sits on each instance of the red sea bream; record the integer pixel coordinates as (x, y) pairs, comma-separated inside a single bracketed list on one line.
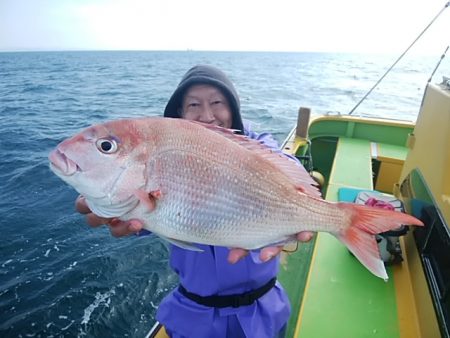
[(191, 183)]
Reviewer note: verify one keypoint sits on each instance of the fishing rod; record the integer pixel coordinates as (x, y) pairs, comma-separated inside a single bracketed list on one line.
[(438, 64), (399, 58)]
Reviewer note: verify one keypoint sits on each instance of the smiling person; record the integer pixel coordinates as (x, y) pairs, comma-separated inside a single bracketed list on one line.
[(223, 292)]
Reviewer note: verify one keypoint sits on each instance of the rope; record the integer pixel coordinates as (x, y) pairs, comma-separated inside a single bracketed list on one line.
[(399, 58)]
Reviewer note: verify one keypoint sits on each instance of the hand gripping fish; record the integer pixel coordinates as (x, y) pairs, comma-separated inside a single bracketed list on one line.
[(192, 183)]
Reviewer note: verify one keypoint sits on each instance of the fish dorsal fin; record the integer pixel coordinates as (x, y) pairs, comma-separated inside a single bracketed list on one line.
[(301, 179)]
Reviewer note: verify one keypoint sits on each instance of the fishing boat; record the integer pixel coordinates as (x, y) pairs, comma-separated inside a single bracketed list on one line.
[(400, 161)]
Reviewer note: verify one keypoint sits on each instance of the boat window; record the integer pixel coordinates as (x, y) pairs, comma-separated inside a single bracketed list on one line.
[(433, 242)]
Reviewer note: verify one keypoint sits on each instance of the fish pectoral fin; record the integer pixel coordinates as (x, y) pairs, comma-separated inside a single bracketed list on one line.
[(182, 244), (148, 199)]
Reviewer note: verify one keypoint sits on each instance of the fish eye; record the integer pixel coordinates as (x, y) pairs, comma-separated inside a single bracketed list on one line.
[(107, 146)]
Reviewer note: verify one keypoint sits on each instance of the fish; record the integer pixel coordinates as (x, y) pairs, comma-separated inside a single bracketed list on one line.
[(193, 183)]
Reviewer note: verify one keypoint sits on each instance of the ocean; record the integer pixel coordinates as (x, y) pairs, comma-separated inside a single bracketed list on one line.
[(61, 278)]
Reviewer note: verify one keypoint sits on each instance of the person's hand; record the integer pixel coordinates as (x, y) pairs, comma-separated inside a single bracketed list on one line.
[(117, 227), (266, 253)]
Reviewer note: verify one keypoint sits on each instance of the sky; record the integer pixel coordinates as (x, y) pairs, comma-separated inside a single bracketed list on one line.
[(382, 26)]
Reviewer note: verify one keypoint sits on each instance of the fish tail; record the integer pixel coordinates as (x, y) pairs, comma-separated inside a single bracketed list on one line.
[(365, 223)]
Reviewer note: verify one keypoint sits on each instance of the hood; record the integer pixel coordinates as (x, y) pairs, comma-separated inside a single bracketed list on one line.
[(204, 74)]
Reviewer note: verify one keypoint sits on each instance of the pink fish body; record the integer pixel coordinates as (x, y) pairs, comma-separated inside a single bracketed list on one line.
[(191, 183)]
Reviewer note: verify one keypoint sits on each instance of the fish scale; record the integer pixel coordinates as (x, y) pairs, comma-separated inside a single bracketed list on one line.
[(229, 198)]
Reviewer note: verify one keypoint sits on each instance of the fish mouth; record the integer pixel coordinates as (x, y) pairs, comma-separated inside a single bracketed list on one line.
[(61, 163)]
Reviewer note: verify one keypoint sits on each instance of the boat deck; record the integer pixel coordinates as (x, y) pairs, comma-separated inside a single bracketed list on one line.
[(341, 289)]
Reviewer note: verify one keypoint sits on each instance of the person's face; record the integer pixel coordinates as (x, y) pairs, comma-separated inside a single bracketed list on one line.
[(207, 104)]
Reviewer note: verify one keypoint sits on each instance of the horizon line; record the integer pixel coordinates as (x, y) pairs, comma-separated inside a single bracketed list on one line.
[(190, 50)]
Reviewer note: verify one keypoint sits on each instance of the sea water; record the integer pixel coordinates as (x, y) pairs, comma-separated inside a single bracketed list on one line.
[(61, 278)]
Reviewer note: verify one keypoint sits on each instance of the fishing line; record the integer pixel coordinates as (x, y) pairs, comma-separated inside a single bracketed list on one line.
[(399, 58)]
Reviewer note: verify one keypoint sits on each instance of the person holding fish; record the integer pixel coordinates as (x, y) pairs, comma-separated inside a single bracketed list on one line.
[(191, 180), (215, 281)]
